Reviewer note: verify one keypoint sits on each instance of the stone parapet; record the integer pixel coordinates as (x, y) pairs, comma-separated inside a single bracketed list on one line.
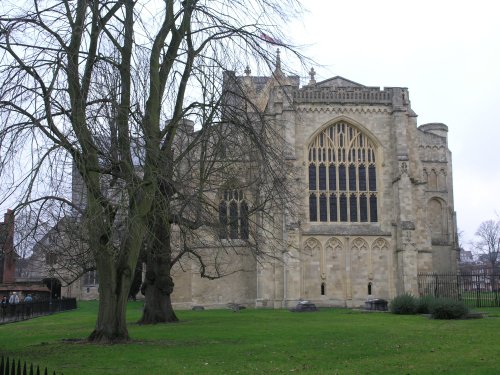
[(364, 95)]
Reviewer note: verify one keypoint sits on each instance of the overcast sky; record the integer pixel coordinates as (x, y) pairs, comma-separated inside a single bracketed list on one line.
[(446, 52), (448, 55)]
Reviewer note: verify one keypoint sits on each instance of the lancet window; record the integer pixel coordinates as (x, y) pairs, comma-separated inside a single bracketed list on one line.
[(233, 215), (342, 176)]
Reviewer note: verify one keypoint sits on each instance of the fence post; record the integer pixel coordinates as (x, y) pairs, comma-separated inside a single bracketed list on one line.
[(436, 285), (478, 291)]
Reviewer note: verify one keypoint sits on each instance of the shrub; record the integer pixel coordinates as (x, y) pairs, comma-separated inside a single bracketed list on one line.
[(403, 304), (424, 304), (445, 308)]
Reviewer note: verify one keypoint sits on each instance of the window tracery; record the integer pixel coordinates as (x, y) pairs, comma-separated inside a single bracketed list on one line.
[(311, 245), (359, 244), (91, 278), (380, 245), (233, 215), (334, 245), (342, 176)]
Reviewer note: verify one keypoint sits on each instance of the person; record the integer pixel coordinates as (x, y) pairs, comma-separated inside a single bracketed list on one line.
[(3, 304), (27, 304), (14, 299), (13, 302)]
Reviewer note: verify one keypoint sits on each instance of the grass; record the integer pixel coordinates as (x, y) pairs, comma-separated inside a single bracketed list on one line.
[(473, 298), (332, 341)]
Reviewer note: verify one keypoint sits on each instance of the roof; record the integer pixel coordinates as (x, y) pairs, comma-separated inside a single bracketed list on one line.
[(23, 288)]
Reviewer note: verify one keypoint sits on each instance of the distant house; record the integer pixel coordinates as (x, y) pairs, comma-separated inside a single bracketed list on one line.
[(59, 259), (8, 261), (466, 257)]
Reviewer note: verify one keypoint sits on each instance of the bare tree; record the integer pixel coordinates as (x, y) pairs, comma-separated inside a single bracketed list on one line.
[(191, 223), (51, 242), (73, 94), (488, 244)]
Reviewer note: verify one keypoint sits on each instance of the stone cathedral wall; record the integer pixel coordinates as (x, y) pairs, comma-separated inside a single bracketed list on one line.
[(342, 263)]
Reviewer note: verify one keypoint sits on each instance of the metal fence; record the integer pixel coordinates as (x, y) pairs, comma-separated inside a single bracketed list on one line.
[(475, 289), (11, 367), (27, 310)]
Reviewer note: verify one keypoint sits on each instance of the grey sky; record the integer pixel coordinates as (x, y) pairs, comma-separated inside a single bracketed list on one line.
[(447, 53)]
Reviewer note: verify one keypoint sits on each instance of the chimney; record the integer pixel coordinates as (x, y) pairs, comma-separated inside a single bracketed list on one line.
[(9, 255)]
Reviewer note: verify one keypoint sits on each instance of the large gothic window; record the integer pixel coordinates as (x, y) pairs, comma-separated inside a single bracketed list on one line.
[(342, 176), (233, 215)]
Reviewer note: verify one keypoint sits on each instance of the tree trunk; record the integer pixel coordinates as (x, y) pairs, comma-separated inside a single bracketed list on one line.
[(158, 285), (157, 289), (115, 270), (111, 325), (158, 305), (114, 285)]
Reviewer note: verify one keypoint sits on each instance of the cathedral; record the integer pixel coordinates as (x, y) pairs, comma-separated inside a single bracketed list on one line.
[(376, 193)]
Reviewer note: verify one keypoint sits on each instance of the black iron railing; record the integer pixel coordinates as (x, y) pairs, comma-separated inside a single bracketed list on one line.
[(11, 367), (475, 289), (27, 310)]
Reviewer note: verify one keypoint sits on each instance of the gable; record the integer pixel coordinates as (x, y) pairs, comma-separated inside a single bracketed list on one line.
[(338, 81)]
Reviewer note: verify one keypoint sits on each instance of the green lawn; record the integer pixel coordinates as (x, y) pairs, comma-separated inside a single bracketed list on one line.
[(332, 341)]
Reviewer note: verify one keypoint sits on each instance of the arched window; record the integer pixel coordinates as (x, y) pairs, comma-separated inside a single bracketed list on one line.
[(436, 218), (233, 216), (91, 278), (433, 180), (342, 176), (233, 219), (244, 220)]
